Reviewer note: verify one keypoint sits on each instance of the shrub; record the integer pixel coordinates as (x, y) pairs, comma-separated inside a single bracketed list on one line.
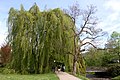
[(116, 78), (8, 71), (114, 70), (5, 52), (1, 70)]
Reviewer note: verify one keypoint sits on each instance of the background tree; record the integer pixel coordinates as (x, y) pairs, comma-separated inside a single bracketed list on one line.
[(113, 49), (93, 57), (98, 58), (5, 53), (113, 45), (108, 57), (38, 38), (84, 29)]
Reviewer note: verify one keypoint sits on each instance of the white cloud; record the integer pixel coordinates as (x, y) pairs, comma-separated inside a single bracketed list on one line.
[(3, 31), (113, 5), (113, 16), (2, 39), (111, 21)]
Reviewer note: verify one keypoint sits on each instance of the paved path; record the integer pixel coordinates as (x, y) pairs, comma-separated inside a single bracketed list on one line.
[(66, 76)]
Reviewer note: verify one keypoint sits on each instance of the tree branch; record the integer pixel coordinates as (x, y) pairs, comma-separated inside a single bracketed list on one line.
[(91, 38), (90, 44), (82, 50), (70, 53), (84, 24), (87, 32)]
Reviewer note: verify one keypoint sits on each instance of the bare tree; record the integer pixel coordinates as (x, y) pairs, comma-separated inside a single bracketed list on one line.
[(85, 31)]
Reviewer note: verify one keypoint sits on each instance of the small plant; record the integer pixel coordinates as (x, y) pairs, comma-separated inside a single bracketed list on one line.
[(116, 78), (5, 53), (82, 77), (114, 70), (7, 71)]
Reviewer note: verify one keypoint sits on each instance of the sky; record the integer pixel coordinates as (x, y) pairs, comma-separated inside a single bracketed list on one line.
[(108, 12)]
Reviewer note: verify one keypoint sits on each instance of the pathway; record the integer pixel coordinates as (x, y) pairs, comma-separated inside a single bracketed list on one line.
[(66, 76)]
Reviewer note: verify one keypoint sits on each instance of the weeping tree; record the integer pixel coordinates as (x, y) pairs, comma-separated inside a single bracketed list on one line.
[(37, 38)]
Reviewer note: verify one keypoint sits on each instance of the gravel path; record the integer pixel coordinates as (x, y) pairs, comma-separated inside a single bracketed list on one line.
[(66, 76)]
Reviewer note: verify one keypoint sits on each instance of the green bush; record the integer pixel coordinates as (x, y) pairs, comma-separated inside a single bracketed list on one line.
[(114, 70), (8, 71), (116, 78), (1, 70)]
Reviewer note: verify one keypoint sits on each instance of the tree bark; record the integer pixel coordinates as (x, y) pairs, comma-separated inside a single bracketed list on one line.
[(74, 65), (75, 57)]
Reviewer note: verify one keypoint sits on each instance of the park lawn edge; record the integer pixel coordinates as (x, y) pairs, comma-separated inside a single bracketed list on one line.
[(47, 76), (79, 76)]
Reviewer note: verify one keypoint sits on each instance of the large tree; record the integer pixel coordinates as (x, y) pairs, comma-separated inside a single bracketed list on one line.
[(38, 38), (85, 31), (113, 44)]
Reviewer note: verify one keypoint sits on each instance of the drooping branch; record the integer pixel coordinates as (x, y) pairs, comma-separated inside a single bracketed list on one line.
[(69, 53)]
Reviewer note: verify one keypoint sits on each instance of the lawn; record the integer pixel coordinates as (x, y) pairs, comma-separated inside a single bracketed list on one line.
[(49, 76)]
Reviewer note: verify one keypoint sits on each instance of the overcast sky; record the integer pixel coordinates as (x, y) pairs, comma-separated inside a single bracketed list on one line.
[(108, 11)]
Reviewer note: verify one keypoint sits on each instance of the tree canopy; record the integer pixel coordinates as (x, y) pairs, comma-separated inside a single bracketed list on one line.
[(37, 38), (113, 44)]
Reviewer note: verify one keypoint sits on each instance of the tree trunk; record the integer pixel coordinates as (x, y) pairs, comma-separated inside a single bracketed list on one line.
[(74, 65), (75, 57)]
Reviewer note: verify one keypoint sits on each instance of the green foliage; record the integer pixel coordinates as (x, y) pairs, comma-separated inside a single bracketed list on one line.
[(1, 70), (114, 44), (115, 35), (8, 71), (114, 70), (100, 58), (82, 77), (108, 58), (94, 57), (116, 78), (81, 68), (4, 70), (38, 38)]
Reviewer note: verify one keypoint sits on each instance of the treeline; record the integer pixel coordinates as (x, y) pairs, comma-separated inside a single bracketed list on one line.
[(110, 53), (108, 57)]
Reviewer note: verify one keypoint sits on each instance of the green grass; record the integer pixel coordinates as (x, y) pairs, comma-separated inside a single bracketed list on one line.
[(79, 76), (49, 76), (82, 77)]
